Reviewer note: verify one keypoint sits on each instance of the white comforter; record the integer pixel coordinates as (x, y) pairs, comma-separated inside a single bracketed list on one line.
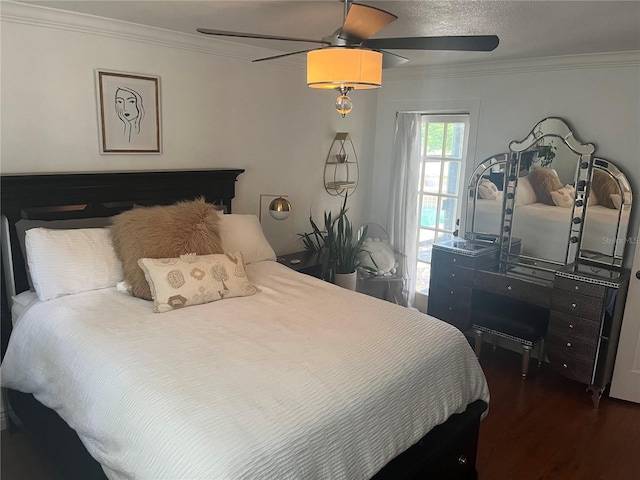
[(303, 380)]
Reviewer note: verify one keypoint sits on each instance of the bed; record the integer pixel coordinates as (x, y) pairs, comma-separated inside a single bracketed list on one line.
[(544, 229), (301, 379)]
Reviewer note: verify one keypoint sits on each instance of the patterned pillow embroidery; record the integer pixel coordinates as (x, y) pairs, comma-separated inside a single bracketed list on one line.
[(195, 279)]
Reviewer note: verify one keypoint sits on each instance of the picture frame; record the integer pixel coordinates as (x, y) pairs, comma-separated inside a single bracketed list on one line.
[(128, 113)]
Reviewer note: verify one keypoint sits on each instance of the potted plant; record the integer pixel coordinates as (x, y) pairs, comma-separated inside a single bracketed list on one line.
[(336, 245)]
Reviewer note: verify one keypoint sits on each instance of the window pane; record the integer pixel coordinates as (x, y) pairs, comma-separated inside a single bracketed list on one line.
[(431, 176), (448, 213), (428, 213), (435, 139), (423, 274), (451, 177), (425, 243), (455, 140)]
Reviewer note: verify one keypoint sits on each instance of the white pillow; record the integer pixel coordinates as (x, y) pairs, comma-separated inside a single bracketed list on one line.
[(243, 233), (64, 262), (525, 194), (487, 189), (195, 279), (564, 197)]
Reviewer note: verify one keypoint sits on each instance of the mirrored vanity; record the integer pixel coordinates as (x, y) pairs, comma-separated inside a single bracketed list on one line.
[(540, 261)]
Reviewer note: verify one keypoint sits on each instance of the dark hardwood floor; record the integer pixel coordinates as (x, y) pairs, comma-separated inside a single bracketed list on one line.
[(541, 428)]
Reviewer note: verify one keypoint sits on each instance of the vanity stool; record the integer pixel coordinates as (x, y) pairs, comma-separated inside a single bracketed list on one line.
[(527, 326)]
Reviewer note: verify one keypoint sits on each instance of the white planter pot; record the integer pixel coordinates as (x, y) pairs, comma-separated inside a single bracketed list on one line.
[(346, 280)]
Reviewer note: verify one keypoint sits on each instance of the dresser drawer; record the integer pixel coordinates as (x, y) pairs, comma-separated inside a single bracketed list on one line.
[(572, 366), (561, 325), (451, 294), (451, 275), (573, 345), (579, 305), (511, 287), (446, 259), (447, 309), (582, 288)]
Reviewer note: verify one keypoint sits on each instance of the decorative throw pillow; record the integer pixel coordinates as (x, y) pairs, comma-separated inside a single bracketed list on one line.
[(243, 233), (195, 279), (64, 262), (564, 197), (525, 194), (378, 256), (544, 181), (163, 232), (603, 185), (487, 189)]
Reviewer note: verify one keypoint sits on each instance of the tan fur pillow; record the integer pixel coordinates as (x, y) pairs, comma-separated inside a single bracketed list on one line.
[(603, 185), (544, 181), (163, 232)]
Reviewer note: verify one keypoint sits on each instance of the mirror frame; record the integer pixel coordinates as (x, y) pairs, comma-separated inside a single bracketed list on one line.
[(471, 232), (510, 255), (619, 242)]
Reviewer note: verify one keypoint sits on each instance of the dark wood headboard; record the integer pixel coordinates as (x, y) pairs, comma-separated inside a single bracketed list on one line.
[(87, 195)]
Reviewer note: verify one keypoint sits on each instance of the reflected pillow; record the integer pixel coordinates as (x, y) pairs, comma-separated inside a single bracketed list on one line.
[(544, 181), (525, 194), (195, 279), (487, 189), (564, 197), (603, 185)]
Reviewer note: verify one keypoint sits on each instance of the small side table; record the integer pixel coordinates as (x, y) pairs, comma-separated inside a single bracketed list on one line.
[(309, 263)]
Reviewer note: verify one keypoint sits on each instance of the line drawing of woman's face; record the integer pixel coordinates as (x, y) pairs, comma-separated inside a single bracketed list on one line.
[(129, 109)]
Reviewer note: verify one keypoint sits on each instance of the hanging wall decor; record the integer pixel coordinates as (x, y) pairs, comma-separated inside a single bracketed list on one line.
[(128, 112)]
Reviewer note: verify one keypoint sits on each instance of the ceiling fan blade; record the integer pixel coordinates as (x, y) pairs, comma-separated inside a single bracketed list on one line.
[(471, 43), (280, 56), (363, 21), (390, 60), (224, 33)]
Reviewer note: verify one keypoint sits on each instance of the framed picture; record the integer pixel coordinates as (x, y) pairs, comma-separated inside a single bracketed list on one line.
[(129, 112)]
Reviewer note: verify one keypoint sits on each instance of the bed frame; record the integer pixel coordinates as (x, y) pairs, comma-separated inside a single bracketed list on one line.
[(448, 451)]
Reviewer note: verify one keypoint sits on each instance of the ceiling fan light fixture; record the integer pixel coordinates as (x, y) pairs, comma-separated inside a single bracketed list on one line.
[(340, 67)]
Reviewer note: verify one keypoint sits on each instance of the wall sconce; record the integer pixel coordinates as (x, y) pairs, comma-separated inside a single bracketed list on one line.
[(279, 208)]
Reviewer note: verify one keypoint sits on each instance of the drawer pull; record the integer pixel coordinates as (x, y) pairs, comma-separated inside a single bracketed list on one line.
[(573, 305), (450, 308), (462, 460), (509, 287), (455, 260), (576, 287), (453, 275), (568, 344), (564, 365), (451, 292), (571, 325)]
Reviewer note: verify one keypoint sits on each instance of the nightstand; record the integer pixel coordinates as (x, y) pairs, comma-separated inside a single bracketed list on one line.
[(309, 263)]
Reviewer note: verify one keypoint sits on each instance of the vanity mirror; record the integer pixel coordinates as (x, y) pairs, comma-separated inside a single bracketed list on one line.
[(545, 190), (485, 199), (549, 202)]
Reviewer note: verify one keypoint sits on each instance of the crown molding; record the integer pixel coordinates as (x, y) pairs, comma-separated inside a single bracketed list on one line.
[(525, 65), (45, 17)]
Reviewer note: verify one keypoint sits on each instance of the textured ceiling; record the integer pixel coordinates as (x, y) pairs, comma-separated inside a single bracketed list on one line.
[(526, 28)]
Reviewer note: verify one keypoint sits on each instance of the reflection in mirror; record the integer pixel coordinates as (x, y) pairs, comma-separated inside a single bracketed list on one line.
[(607, 217), (485, 199), (545, 173)]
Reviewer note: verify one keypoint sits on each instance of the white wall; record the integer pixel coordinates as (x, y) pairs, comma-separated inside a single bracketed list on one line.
[(218, 110), (599, 95)]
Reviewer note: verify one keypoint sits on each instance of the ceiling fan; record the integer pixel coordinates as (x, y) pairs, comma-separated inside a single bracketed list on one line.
[(349, 59)]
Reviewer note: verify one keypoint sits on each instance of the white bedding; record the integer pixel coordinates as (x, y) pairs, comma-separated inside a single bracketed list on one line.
[(303, 380), (544, 229)]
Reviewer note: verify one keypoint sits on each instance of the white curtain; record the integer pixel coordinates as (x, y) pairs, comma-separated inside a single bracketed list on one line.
[(405, 172)]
